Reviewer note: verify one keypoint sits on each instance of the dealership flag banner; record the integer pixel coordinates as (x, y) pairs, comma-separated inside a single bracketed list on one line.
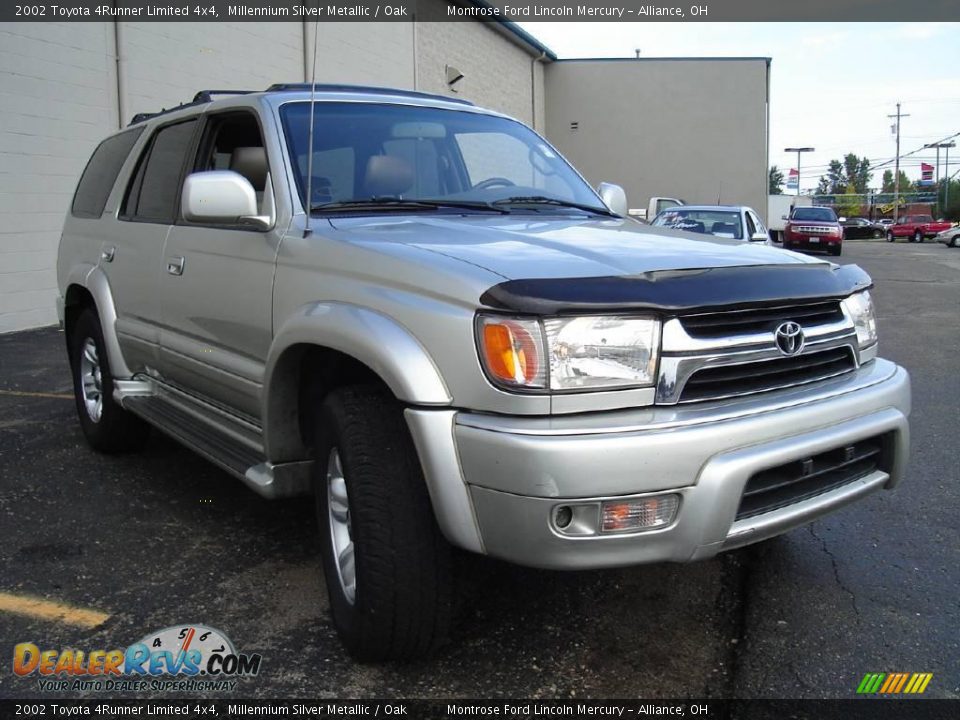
[(793, 179)]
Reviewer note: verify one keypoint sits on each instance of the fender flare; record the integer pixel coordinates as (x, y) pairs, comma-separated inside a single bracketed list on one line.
[(94, 280), (368, 336)]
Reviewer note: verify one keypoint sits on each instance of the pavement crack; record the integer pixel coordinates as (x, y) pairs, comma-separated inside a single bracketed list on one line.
[(836, 571)]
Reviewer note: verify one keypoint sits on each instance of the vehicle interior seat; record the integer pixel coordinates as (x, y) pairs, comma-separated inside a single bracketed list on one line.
[(722, 228), (251, 162), (387, 175)]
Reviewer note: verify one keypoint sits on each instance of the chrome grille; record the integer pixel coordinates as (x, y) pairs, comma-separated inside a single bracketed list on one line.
[(802, 479), (813, 229), (728, 353), (734, 322), (724, 381)]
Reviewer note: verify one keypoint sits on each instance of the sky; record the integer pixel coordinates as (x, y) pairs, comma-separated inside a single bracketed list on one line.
[(832, 84)]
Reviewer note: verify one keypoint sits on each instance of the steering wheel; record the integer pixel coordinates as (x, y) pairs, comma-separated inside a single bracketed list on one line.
[(494, 182)]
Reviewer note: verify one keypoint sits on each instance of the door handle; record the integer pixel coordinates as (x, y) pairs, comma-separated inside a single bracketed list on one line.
[(175, 265), (107, 253)]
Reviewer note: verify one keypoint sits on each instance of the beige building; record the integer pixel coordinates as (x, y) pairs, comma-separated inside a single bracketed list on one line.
[(682, 128), (689, 128)]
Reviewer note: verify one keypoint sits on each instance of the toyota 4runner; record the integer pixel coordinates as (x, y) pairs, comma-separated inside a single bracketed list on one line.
[(417, 312)]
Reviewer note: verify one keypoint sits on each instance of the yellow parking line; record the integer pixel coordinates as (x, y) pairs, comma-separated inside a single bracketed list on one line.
[(50, 610), (23, 393)]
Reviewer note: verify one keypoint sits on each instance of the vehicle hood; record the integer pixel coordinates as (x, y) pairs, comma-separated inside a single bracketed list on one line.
[(515, 246)]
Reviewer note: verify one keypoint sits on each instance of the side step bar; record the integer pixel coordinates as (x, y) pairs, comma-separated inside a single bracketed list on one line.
[(220, 446)]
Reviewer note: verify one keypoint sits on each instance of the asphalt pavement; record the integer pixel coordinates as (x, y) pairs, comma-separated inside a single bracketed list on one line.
[(163, 538)]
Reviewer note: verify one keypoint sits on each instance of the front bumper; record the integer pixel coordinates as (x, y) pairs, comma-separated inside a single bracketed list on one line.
[(820, 243), (496, 481)]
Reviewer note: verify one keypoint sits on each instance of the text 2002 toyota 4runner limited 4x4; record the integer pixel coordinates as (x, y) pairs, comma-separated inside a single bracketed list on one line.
[(456, 342)]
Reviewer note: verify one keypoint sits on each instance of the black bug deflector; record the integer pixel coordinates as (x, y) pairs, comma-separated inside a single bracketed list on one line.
[(679, 291)]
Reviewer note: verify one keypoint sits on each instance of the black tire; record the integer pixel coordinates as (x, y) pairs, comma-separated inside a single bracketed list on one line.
[(113, 429), (890, 237), (953, 241), (402, 602), (918, 236), (835, 251), (877, 233)]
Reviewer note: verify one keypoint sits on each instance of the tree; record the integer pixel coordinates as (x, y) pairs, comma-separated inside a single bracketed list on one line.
[(857, 172), (906, 186), (836, 178), (850, 203), (776, 181), (851, 175)]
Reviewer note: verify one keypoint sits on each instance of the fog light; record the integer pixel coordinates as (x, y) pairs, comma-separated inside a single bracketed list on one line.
[(563, 517), (642, 514)]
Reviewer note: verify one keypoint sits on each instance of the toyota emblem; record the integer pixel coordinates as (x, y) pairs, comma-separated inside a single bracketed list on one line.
[(789, 338)]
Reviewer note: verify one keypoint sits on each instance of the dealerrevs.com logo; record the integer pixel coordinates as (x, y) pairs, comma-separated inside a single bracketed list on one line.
[(179, 658)]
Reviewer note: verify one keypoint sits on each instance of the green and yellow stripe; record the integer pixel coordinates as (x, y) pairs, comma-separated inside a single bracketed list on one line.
[(894, 683)]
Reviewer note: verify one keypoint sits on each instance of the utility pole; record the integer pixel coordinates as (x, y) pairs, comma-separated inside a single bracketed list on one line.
[(946, 176), (946, 146), (896, 172), (799, 150)]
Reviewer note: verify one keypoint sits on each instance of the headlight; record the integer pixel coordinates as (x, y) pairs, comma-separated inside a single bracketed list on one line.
[(575, 353), (860, 308)]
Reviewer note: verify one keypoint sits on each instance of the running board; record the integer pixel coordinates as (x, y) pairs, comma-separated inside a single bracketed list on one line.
[(223, 448)]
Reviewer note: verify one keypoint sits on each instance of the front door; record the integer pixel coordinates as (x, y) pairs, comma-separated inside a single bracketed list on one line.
[(216, 288)]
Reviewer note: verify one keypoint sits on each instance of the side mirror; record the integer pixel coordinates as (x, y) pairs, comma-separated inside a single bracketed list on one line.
[(613, 197), (842, 219), (784, 217), (221, 196), (759, 237)]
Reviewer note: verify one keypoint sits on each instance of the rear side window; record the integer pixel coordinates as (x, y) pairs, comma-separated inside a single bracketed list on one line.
[(101, 173), (152, 195)]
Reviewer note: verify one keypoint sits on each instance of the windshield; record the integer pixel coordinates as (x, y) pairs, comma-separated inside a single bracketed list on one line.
[(724, 223), (816, 214), (411, 157)]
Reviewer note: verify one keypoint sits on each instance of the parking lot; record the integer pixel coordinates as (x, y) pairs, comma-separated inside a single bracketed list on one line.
[(164, 538)]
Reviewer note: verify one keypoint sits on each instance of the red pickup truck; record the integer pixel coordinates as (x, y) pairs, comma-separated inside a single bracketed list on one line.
[(916, 228)]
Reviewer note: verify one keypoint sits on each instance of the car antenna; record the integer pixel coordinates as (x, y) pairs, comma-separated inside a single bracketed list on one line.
[(307, 205), (719, 191)]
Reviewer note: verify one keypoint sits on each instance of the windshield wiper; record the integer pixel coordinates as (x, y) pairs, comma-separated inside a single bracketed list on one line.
[(556, 202), (390, 204)]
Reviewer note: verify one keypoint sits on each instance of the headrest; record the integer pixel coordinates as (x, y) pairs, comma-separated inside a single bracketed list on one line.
[(251, 162), (387, 175)]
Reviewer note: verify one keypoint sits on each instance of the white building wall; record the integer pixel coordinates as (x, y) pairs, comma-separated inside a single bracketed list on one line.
[(368, 53), (57, 101), (498, 74), (64, 87), (164, 64)]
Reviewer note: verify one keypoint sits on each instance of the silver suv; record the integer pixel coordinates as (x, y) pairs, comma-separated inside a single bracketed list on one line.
[(416, 311)]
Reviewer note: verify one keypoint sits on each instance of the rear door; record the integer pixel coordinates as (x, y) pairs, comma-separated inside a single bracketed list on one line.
[(132, 253), (216, 287)]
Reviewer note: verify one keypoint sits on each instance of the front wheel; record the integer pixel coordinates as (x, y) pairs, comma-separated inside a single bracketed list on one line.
[(918, 236), (387, 566), (953, 241), (106, 425), (890, 237), (877, 233)]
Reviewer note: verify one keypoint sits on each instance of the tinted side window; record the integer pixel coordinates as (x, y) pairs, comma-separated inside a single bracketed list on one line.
[(101, 173), (153, 193)]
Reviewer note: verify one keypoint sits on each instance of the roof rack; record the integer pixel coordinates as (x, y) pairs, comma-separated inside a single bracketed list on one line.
[(205, 96), (201, 98), (336, 87)]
